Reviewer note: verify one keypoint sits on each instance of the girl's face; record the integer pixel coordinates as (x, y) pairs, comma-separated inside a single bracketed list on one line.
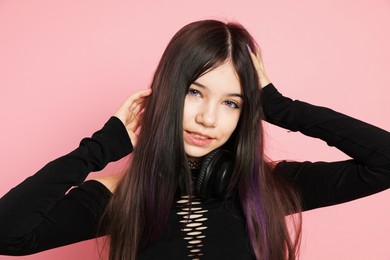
[(212, 109)]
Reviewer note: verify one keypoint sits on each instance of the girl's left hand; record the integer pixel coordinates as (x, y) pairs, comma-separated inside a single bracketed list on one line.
[(131, 111), (258, 63)]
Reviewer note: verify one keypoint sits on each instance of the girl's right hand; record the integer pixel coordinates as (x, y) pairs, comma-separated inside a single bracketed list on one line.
[(131, 111)]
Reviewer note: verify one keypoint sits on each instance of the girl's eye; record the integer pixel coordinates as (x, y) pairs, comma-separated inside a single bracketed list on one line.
[(193, 92), (231, 104)]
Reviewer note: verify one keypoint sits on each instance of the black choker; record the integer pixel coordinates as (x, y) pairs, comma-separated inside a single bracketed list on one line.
[(194, 164)]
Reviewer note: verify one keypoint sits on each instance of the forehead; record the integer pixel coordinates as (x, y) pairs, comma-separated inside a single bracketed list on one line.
[(222, 78)]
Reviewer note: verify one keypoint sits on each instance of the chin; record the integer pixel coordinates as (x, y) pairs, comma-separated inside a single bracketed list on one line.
[(197, 153)]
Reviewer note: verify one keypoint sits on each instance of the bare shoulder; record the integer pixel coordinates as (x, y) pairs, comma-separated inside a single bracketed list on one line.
[(110, 181)]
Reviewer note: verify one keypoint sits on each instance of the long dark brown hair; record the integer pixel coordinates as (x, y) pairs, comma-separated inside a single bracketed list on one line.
[(139, 208)]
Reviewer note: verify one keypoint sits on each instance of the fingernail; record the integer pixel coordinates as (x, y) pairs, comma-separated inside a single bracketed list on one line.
[(249, 48)]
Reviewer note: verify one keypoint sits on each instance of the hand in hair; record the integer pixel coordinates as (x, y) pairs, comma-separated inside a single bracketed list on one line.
[(258, 63), (131, 111)]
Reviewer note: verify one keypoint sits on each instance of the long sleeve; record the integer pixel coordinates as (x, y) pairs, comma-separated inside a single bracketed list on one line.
[(327, 183), (36, 215)]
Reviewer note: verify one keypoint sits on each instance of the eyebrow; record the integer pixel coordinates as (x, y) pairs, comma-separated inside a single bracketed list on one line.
[(229, 94)]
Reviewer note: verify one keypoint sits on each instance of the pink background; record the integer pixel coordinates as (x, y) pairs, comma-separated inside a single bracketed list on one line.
[(67, 65)]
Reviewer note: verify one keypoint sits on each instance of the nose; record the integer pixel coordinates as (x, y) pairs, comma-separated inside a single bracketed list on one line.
[(207, 115)]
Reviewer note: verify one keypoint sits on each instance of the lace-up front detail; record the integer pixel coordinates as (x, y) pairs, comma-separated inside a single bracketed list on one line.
[(193, 218)]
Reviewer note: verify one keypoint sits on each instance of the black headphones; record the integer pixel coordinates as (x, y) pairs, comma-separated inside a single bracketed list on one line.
[(214, 174)]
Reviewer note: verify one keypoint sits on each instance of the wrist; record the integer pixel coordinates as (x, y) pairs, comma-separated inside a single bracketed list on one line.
[(264, 81)]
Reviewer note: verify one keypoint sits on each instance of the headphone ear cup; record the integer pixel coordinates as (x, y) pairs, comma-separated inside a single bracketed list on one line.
[(214, 174), (203, 187), (223, 175)]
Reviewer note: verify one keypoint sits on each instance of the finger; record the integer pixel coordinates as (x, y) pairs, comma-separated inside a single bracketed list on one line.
[(131, 103), (255, 58), (137, 106), (138, 95), (133, 118), (134, 124), (138, 120), (138, 102)]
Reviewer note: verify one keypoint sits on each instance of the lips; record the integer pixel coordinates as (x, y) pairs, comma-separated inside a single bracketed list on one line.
[(197, 139)]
